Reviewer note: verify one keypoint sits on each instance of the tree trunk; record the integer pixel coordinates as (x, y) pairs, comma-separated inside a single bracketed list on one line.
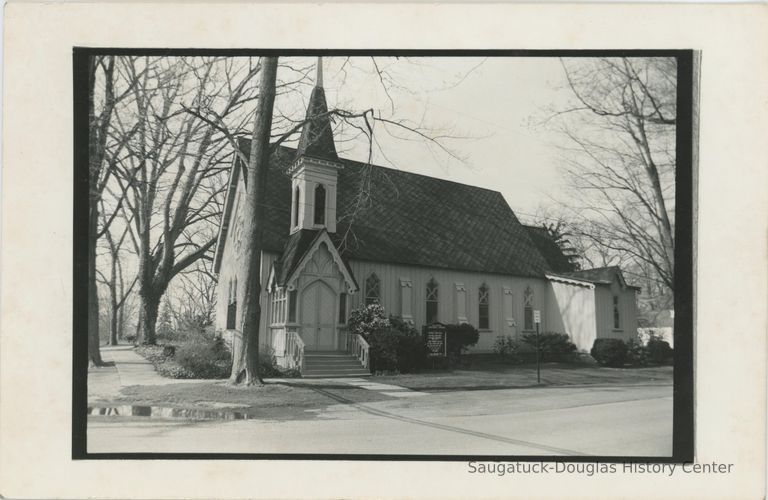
[(94, 352), (139, 322), (94, 349), (245, 362), (150, 306), (113, 326), (120, 324), (113, 303)]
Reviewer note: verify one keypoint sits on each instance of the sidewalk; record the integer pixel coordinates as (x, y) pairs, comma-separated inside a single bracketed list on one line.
[(129, 369), (132, 369)]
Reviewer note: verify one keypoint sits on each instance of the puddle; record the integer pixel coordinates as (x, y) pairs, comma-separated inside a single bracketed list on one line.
[(165, 412)]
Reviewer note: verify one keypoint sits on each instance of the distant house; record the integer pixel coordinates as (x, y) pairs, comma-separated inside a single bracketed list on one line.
[(427, 249)]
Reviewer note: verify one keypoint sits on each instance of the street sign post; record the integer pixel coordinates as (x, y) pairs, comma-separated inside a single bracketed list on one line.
[(537, 320)]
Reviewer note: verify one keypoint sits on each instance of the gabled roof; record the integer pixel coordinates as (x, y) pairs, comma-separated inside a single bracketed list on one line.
[(409, 219), (603, 276), (570, 280), (298, 248), (549, 249)]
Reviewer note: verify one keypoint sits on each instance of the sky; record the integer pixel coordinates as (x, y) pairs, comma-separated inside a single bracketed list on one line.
[(493, 106)]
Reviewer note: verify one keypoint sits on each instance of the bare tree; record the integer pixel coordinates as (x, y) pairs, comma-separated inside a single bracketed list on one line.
[(196, 295), (620, 160), (115, 283), (103, 99), (172, 176)]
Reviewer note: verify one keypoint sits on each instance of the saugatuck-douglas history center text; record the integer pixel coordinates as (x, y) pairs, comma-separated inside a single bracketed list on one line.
[(594, 468)]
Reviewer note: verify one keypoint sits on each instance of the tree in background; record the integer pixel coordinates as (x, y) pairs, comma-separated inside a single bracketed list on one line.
[(104, 97), (170, 177), (561, 234), (620, 163), (165, 326), (115, 282)]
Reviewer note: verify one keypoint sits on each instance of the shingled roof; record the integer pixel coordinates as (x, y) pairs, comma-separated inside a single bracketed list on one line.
[(602, 276), (549, 249), (410, 219), (317, 135)]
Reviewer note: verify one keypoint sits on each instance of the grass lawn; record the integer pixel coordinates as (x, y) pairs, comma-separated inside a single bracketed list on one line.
[(283, 401), (509, 377)]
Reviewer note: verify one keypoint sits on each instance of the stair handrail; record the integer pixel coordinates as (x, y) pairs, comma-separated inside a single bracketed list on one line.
[(295, 350), (359, 348)]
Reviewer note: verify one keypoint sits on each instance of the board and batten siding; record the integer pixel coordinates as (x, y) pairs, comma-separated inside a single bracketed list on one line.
[(627, 311), (571, 309), (458, 297), (231, 267)]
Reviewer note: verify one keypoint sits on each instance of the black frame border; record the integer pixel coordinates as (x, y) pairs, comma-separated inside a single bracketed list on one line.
[(683, 379)]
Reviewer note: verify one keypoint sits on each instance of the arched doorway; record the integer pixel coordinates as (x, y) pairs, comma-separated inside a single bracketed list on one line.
[(318, 318)]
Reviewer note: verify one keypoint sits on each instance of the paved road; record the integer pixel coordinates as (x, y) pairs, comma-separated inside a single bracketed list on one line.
[(590, 420)]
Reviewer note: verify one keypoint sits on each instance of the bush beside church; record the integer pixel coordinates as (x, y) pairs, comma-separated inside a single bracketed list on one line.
[(396, 346)]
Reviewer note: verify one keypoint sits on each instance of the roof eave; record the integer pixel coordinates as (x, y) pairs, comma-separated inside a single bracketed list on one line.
[(224, 226)]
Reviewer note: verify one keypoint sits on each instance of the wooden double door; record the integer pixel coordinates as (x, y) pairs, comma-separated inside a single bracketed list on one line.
[(318, 317)]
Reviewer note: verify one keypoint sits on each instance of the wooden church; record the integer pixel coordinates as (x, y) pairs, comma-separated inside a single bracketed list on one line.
[(426, 249)]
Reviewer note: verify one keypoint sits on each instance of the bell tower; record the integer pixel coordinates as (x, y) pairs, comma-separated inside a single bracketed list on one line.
[(314, 172)]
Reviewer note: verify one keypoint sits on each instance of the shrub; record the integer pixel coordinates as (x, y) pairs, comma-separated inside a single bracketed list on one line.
[(460, 337), (411, 353), (131, 338), (550, 342), (658, 351), (384, 350), (508, 349), (399, 348), (411, 347), (609, 352), (367, 320), (403, 326), (205, 359), (268, 365), (637, 354)]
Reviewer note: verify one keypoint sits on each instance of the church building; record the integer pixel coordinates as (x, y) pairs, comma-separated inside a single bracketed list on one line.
[(341, 234)]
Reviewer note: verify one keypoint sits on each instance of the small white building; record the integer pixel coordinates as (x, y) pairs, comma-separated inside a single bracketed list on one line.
[(426, 249)]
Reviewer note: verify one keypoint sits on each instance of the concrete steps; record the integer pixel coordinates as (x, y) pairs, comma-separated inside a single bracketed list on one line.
[(332, 364)]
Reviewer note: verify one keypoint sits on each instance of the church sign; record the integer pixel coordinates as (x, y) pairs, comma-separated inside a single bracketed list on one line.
[(435, 338)]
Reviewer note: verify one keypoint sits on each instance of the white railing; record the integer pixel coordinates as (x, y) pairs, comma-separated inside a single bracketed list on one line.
[(276, 340), (358, 347), (294, 350)]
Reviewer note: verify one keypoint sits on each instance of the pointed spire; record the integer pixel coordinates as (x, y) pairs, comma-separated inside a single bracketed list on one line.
[(317, 134), (319, 79)]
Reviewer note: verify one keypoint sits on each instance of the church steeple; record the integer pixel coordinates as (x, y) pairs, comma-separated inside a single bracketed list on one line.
[(317, 135), (319, 78), (314, 173)]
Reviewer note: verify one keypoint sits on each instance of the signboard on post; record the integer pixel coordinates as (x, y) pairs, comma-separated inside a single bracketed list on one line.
[(537, 321), (435, 338)]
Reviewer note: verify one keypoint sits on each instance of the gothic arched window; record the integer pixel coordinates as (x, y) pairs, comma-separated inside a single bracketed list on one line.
[(372, 290), (432, 301), (320, 204), (483, 307), (296, 198), (232, 305), (528, 309)]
